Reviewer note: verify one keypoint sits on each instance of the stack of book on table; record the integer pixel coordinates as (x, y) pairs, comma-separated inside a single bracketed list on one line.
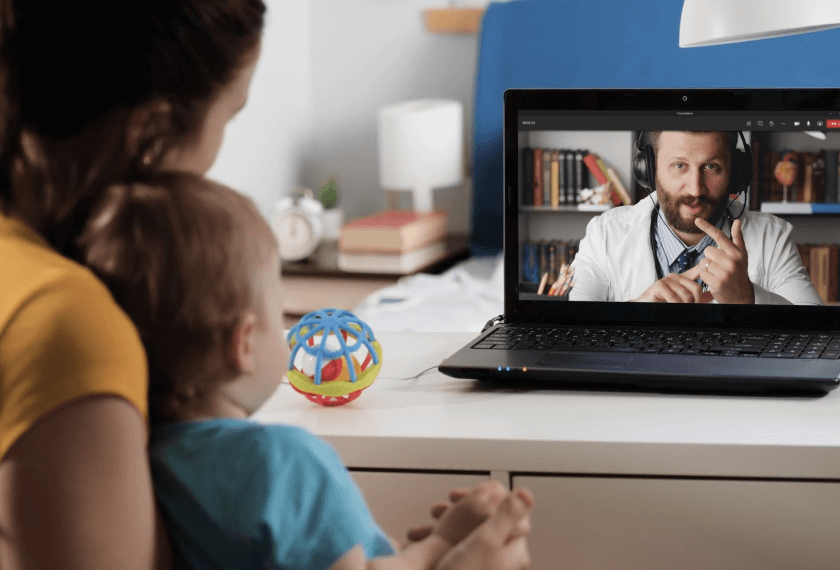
[(393, 241)]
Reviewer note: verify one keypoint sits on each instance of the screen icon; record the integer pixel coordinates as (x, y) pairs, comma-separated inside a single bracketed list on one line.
[(796, 123), (760, 123), (807, 123), (833, 124), (819, 123), (749, 123), (771, 123)]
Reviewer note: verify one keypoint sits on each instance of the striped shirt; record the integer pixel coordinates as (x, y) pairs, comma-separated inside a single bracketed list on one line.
[(668, 246)]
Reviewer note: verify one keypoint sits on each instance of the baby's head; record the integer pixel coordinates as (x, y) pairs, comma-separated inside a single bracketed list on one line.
[(196, 268)]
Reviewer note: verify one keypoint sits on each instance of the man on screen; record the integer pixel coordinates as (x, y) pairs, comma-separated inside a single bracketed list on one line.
[(687, 241)]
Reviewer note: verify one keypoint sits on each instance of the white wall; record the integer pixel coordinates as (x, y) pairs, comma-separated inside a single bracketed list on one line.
[(367, 54), (327, 66), (264, 144)]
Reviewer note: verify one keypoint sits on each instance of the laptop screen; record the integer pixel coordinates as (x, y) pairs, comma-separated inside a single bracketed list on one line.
[(699, 207)]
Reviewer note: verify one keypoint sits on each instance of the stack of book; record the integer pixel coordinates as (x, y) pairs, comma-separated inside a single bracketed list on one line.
[(393, 241)]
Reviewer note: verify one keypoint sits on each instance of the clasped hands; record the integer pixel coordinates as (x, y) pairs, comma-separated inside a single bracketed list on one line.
[(487, 526), (724, 270)]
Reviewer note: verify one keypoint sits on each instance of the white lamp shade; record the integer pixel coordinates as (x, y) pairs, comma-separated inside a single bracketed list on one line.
[(421, 146), (713, 22)]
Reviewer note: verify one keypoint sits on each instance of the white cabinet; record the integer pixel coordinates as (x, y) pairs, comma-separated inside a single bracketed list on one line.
[(643, 523), (622, 480), (402, 500), (651, 523)]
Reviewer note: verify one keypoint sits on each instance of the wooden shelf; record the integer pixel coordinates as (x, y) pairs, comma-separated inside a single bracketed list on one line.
[(800, 208), (324, 262), (454, 20), (590, 208)]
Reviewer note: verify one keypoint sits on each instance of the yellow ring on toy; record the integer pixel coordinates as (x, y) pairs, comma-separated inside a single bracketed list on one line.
[(337, 388)]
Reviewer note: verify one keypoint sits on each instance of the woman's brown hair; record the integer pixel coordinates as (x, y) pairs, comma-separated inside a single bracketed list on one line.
[(183, 256), (72, 73)]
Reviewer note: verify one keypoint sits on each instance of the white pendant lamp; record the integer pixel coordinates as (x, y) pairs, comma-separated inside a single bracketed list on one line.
[(714, 22)]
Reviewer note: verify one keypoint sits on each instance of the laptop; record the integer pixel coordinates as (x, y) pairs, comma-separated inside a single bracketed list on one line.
[(610, 281)]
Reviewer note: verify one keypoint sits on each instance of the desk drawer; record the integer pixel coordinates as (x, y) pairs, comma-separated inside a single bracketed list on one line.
[(648, 524), (402, 500)]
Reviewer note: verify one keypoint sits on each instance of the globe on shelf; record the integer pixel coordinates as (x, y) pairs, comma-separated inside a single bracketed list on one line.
[(334, 356)]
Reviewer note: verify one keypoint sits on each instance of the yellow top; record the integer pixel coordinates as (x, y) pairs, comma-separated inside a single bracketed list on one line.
[(62, 336)]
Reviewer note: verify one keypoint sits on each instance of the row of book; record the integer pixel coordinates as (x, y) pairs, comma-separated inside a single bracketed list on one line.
[(558, 176), (821, 263), (541, 257), (393, 241), (817, 179)]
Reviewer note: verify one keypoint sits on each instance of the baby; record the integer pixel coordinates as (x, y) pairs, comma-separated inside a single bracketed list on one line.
[(197, 269)]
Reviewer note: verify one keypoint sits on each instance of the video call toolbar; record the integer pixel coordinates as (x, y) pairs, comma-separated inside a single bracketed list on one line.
[(678, 122)]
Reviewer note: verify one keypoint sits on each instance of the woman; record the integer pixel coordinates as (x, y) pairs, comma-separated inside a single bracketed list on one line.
[(94, 92)]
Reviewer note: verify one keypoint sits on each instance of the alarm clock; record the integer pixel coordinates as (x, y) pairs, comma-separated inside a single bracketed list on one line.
[(298, 223)]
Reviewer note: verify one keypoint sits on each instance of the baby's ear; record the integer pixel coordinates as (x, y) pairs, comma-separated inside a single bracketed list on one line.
[(242, 344)]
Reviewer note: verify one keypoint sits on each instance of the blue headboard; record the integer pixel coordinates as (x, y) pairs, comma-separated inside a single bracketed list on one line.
[(612, 43)]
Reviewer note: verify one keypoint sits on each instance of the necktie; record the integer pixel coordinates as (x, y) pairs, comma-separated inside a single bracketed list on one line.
[(685, 260)]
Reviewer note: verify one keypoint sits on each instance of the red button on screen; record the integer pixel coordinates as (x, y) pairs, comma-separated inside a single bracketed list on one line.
[(832, 124)]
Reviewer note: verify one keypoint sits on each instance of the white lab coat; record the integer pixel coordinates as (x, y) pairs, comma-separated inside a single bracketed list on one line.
[(615, 259)]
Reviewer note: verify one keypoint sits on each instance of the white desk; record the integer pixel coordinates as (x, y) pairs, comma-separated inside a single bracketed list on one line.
[(622, 480)]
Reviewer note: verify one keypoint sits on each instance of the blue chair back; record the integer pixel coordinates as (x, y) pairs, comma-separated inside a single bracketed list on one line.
[(612, 43)]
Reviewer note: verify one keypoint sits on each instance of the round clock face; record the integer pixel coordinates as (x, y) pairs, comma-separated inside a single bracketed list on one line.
[(297, 237)]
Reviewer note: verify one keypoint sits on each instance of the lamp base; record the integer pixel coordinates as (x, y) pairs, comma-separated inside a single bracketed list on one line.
[(423, 200)]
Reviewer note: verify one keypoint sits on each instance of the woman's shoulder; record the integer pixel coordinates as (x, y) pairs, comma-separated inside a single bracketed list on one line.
[(62, 298), (62, 337), (33, 269)]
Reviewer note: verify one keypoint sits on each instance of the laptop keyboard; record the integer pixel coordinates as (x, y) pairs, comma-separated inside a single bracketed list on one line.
[(744, 344)]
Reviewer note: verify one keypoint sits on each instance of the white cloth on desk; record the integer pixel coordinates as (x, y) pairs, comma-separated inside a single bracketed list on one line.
[(615, 262), (462, 299)]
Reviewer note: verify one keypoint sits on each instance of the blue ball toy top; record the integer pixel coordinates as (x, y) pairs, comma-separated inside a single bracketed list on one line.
[(342, 324)]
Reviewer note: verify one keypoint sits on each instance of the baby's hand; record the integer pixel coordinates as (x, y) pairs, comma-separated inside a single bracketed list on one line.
[(470, 511), (501, 543)]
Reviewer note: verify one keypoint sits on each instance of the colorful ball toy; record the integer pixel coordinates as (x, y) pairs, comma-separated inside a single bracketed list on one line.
[(334, 356)]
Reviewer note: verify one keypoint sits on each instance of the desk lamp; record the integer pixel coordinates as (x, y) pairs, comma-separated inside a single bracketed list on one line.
[(714, 22), (421, 148)]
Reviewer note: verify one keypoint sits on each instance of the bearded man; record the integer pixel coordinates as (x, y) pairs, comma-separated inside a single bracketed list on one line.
[(683, 243)]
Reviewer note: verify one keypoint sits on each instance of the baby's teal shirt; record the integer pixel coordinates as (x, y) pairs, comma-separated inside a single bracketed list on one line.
[(239, 494)]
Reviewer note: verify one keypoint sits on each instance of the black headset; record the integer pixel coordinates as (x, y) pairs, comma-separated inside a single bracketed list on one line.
[(644, 169)]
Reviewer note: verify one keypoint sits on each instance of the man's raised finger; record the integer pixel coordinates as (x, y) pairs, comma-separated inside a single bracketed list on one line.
[(737, 236), (723, 242)]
